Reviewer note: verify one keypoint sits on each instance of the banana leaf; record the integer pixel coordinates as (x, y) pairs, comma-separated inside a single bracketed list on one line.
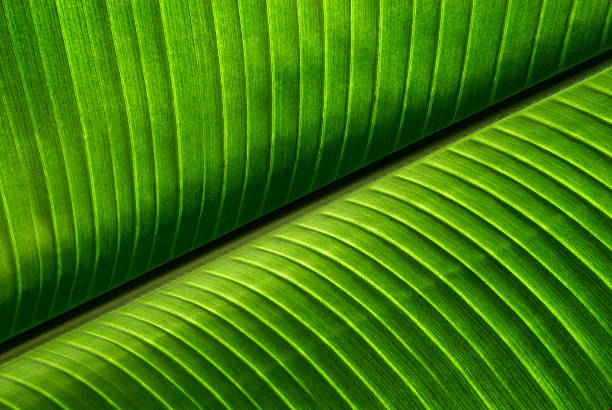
[(477, 277), (135, 131)]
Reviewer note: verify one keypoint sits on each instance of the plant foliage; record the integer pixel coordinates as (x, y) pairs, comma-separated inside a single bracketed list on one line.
[(479, 276), (135, 131)]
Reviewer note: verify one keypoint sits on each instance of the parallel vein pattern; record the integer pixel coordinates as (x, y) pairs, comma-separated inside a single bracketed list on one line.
[(477, 277), (135, 131)]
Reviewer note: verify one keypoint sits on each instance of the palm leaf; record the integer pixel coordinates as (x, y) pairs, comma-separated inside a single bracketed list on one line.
[(479, 276), (136, 131)]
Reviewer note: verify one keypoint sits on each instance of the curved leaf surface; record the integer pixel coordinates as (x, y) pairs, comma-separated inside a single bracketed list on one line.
[(135, 131), (477, 277)]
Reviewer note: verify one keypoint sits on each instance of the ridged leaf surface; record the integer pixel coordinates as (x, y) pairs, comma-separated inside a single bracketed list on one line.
[(479, 276), (135, 131)]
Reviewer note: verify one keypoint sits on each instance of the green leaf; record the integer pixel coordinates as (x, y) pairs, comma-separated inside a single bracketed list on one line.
[(479, 276), (136, 131)]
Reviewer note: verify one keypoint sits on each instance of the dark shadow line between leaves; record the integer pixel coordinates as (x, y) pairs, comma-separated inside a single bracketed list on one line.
[(178, 267)]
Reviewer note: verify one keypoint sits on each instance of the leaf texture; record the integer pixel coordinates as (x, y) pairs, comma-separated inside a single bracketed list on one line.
[(478, 277), (135, 131)]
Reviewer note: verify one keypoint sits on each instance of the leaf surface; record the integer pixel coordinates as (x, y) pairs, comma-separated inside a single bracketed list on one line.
[(136, 131), (477, 277)]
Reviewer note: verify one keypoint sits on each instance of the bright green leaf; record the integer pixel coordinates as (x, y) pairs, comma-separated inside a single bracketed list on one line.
[(135, 131), (479, 276)]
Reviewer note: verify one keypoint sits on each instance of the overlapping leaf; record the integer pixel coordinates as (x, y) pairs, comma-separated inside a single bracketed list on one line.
[(135, 131), (479, 276)]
